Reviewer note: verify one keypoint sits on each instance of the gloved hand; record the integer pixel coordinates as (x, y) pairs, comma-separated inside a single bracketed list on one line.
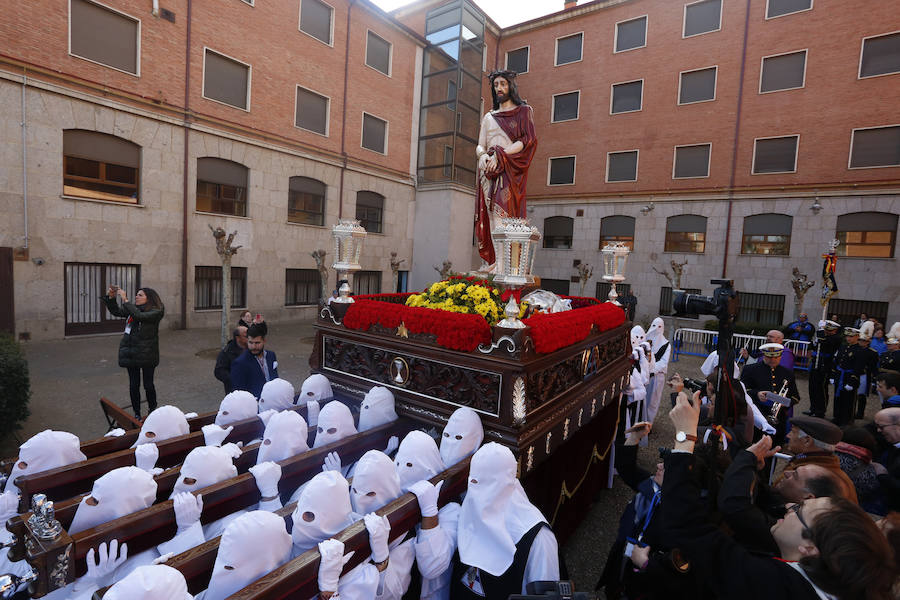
[(103, 566), (312, 412), (331, 564), (190, 415), (379, 528), (427, 495), (392, 445), (267, 475), (265, 415), (831, 381), (213, 435), (233, 450), (9, 506), (161, 560), (117, 432), (145, 457), (849, 388), (188, 508), (332, 462)]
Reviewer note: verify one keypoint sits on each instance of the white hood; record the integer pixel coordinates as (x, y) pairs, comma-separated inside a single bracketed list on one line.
[(43, 451), (637, 336), (205, 466), (315, 387), (417, 458), (462, 436), (253, 544), (496, 512), (150, 582), (335, 423), (120, 492), (166, 422), (656, 334), (236, 406), (375, 482), (277, 394), (323, 509), (285, 436), (377, 408)]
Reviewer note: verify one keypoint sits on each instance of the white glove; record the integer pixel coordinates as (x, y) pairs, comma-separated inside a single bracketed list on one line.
[(265, 415), (163, 559), (188, 508), (849, 388), (105, 564), (831, 381), (190, 415), (332, 462), (213, 435), (232, 449), (379, 528), (331, 564), (117, 432), (392, 445), (427, 495), (145, 457), (267, 475), (312, 412), (9, 506), (821, 325)]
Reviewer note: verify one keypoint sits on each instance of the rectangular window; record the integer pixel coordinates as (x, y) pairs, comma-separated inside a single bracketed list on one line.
[(448, 161), (626, 97), (306, 201), (367, 282), (565, 106), (867, 234), (621, 166), (451, 95), (666, 296), (617, 228), (631, 34), (768, 234), (402, 282), (378, 53), (603, 287), (783, 72), (875, 147), (226, 80), (374, 134), (697, 86), (208, 287), (517, 60), (702, 17), (568, 49), (118, 47), (221, 187), (316, 19), (686, 233), (100, 167), (301, 287), (370, 211), (691, 161), (848, 310), (880, 55), (765, 309), (312, 111), (777, 8), (775, 155), (562, 171)]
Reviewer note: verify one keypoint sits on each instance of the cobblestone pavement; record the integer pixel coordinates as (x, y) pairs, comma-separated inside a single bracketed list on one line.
[(69, 376)]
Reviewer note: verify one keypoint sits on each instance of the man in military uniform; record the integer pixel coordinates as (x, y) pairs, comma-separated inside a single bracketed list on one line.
[(825, 345), (870, 368), (890, 360), (849, 364), (767, 378)]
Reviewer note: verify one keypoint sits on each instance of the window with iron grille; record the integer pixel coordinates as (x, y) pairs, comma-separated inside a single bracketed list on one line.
[(557, 286), (301, 286), (767, 234), (208, 287), (617, 228), (766, 309), (631, 34), (367, 282), (702, 17), (666, 296), (686, 233), (306, 201), (316, 19), (867, 234), (100, 166), (370, 211), (848, 310), (558, 232), (517, 60), (221, 187), (603, 288)]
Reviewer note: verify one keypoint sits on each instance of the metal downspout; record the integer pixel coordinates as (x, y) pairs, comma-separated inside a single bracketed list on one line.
[(344, 116), (24, 126)]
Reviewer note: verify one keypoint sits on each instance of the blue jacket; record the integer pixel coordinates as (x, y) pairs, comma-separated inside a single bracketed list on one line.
[(246, 373)]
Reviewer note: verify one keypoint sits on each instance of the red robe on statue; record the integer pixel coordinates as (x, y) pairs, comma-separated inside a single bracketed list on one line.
[(507, 186)]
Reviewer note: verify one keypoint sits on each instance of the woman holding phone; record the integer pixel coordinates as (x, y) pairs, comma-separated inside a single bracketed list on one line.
[(139, 348)]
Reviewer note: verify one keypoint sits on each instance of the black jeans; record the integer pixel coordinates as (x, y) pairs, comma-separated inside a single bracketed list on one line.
[(134, 388)]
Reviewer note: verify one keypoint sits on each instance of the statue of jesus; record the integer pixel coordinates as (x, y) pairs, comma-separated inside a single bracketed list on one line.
[(506, 145)]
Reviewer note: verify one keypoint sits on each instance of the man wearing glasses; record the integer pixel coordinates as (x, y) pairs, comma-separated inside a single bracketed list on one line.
[(887, 469)]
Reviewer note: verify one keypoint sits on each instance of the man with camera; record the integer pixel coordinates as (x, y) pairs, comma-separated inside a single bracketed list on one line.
[(772, 387)]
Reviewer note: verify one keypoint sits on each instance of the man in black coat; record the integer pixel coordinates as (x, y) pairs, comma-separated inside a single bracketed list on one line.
[(767, 377), (824, 346), (234, 348), (887, 465), (849, 366)]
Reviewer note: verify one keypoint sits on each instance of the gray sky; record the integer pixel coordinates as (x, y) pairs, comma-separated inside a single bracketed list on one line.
[(503, 12)]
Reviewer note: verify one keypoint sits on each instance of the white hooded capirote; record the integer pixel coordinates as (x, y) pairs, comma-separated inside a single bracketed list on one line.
[(375, 482), (236, 406), (120, 492), (335, 423), (417, 458), (662, 352), (164, 423), (496, 514), (323, 510), (150, 582), (277, 394), (462, 436), (205, 466), (285, 436), (43, 451), (252, 545), (315, 387), (376, 408)]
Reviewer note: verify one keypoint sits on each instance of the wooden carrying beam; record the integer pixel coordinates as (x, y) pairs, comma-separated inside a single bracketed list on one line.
[(117, 415), (63, 560)]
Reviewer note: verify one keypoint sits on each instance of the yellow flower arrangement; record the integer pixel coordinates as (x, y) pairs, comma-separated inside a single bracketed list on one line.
[(461, 295)]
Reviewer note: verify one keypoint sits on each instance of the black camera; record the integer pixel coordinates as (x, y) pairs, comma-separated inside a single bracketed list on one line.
[(555, 590), (695, 385), (723, 303)]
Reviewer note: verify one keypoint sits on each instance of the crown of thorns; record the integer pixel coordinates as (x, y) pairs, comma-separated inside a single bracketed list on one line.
[(507, 75)]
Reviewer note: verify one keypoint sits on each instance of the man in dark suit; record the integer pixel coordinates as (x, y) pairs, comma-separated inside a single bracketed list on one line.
[(234, 348), (887, 465), (252, 369)]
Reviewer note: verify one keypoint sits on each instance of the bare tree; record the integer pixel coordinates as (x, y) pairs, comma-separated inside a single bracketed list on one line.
[(674, 277), (445, 270), (395, 268), (226, 251), (585, 271), (319, 257), (800, 282)]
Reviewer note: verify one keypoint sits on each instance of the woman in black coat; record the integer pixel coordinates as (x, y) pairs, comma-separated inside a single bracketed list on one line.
[(139, 348)]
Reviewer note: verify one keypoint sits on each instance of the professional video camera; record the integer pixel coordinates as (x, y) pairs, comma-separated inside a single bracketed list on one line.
[(555, 590), (723, 303)]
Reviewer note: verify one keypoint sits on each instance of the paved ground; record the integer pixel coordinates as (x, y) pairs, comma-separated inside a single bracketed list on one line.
[(69, 376)]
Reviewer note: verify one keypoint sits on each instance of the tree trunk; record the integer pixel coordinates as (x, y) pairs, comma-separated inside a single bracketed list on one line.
[(226, 296)]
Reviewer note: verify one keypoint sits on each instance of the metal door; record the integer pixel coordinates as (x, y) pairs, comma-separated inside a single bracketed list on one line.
[(85, 283), (7, 298)]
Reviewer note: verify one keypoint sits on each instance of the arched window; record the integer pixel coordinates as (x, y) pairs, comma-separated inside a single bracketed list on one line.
[(221, 187), (767, 234), (306, 201), (100, 166), (617, 228), (370, 211), (867, 234), (686, 233), (558, 232)]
